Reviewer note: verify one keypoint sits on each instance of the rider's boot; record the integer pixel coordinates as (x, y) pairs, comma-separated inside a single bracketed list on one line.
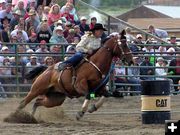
[(63, 66)]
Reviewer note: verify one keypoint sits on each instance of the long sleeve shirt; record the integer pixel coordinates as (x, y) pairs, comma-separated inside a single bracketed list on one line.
[(88, 42)]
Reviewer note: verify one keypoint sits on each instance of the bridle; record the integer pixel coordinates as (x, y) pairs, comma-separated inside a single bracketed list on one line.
[(117, 44)]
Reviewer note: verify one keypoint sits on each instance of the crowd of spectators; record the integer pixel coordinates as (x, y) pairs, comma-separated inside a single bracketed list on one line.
[(151, 59), (29, 27)]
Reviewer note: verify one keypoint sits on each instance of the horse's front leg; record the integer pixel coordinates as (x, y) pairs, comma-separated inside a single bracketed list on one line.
[(97, 105), (103, 92), (84, 108), (82, 88)]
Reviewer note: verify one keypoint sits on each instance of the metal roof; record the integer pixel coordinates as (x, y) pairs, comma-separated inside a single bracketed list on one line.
[(171, 11)]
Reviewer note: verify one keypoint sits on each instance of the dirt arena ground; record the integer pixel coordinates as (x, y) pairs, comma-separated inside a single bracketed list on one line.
[(116, 117)]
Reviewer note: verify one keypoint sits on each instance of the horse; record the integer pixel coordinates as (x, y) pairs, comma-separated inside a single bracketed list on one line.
[(51, 87)]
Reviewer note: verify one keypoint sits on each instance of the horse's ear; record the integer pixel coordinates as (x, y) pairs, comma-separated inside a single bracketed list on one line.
[(123, 33)]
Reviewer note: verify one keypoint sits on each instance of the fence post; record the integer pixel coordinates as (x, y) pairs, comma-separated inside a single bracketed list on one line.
[(109, 24), (17, 77)]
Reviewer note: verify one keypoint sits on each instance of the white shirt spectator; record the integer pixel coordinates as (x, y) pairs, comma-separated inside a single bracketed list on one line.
[(24, 33)]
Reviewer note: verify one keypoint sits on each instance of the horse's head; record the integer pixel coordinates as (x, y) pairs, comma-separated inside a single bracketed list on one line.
[(127, 54), (118, 47)]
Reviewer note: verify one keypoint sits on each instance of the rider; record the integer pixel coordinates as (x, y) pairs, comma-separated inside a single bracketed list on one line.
[(90, 42)]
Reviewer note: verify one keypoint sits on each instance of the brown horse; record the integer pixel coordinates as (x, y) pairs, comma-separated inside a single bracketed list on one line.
[(52, 87)]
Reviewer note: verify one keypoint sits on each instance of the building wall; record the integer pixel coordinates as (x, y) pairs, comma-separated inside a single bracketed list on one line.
[(164, 2)]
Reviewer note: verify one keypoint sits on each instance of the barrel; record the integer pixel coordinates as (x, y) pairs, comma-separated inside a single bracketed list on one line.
[(155, 99)]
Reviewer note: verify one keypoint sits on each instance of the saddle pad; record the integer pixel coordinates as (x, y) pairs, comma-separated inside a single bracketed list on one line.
[(56, 65)]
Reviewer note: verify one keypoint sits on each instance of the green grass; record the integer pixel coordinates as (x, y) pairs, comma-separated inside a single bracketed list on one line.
[(114, 11)]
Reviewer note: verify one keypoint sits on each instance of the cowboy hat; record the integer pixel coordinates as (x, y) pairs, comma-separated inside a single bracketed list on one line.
[(98, 26), (32, 12)]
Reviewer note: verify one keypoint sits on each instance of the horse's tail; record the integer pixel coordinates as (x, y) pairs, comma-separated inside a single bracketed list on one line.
[(35, 72)]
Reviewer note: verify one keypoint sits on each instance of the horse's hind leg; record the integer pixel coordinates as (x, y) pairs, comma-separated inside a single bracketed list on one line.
[(39, 87), (51, 99)]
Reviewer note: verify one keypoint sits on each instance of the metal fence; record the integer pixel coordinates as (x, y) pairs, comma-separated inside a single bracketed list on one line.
[(16, 85)]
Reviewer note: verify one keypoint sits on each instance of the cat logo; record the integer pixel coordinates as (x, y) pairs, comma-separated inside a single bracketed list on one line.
[(161, 102)]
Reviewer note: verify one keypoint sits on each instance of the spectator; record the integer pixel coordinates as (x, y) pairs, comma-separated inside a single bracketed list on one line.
[(20, 38), (4, 34), (175, 71), (70, 38), (46, 10), (21, 7), (160, 71), (69, 17), (134, 73), (83, 25), (42, 49), (20, 62), (31, 30), (32, 20), (120, 72), (32, 64), (44, 33), (173, 40), (4, 50), (2, 4), (44, 20), (7, 12), (5, 22), (147, 70), (56, 24), (31, 5), (158, 32), (40, 14), (15, 2), (71, 49), (130, 38), (54, 14), (78, 32), (56, 50), (150, 49), (170, 54), (22, 23), (139, 41), (58, 36), (73, 12), (48, 61), (24, 33), (33, 39), (53, 2), (43, 2), (15, 20), (6, 69), (67, 27), (93, 22), (13, 43)]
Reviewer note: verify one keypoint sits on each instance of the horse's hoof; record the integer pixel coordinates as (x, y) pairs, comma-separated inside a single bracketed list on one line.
[(92, 109), (79, 115)]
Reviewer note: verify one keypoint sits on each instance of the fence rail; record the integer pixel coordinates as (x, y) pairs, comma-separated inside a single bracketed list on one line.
[(14, 84)]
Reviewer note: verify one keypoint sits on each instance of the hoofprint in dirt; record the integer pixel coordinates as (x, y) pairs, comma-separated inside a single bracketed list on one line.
[(116, 117)]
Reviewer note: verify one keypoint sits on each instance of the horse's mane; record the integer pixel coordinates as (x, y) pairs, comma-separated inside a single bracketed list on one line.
[(104, 40)]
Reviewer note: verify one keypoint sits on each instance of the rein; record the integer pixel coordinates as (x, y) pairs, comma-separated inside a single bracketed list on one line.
[(97, 68)]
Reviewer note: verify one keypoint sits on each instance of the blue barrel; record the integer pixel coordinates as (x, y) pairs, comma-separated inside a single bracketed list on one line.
[(155, 99)]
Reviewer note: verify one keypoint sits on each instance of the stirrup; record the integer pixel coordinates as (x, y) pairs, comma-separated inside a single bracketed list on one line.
[(63, 66)]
